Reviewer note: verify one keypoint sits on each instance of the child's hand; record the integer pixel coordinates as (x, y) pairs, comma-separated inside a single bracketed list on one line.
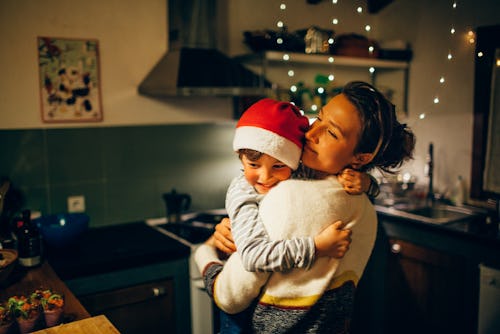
[(223, 239), (354, 182), (333, 241)]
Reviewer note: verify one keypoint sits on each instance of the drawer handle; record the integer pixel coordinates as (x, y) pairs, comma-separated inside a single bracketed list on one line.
[(396, 248), (160, 291)]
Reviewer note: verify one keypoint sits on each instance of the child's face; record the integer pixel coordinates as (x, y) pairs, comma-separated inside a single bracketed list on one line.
[(265, 172)]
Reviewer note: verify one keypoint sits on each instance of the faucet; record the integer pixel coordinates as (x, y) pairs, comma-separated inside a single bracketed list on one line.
[(429, 171)]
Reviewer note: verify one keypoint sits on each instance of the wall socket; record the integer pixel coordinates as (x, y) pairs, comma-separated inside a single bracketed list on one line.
[(76, 203)]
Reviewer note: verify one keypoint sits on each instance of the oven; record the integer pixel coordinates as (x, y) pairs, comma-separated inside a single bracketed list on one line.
[(193, 230)]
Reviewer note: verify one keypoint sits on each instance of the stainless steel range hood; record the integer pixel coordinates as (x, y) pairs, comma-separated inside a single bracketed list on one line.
[(194, 66)]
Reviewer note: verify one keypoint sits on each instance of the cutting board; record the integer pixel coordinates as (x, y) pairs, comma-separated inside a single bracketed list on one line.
[(95, 325)]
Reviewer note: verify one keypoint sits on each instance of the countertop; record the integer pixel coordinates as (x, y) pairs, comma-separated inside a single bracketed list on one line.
[(472, 239), (113, 248)]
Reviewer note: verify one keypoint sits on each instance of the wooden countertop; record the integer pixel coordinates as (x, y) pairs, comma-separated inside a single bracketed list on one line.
[(25, 281), (97, 325)]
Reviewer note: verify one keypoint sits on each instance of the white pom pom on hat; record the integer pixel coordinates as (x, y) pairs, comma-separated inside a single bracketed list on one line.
[(272, 127)]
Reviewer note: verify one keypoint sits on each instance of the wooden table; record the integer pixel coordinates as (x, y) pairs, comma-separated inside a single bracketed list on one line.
[(24, 281)]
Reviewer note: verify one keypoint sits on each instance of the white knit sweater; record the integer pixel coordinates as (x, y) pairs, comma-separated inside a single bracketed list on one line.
[(304, 208)]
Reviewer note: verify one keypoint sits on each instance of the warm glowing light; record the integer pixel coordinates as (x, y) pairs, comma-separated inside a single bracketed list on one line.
[(331, 77), (334, 2), (335, 21), (441, 80), (331, 40), (497, 63), (279, 40), (368, 28), (436, 100), (454, 5), (283, 6), (471, 37), (331, 59), (450, 57), (286, 57), (421, 116), (291, 73), (314, 107), (371, 49), (452, 30), (280, 24), (359, 10), (371, 70), (480, 54), (293, 88)]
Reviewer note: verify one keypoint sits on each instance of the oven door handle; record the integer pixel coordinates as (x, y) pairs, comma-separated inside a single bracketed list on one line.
[(159, 291)]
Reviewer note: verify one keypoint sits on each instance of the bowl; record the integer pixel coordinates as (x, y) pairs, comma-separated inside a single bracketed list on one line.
[(8, 259), (63, 229)]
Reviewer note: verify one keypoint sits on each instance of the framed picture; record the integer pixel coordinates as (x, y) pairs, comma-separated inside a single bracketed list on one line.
[(69, 80)]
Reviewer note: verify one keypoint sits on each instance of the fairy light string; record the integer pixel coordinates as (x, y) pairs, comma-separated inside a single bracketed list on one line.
[(442, 81)]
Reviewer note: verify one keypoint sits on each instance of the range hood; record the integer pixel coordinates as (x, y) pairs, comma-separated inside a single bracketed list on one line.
[(194, 66)]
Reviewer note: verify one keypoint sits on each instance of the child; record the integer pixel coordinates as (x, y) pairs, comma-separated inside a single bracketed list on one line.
[(269, 139)]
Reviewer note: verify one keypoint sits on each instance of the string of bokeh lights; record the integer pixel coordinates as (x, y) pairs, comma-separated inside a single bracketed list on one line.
[(470, 38)]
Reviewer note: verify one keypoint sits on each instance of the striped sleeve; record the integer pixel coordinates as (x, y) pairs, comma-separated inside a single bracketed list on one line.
[(257, 251)]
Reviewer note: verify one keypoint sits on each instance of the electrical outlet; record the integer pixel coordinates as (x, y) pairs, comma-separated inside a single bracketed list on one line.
[(76, 203)]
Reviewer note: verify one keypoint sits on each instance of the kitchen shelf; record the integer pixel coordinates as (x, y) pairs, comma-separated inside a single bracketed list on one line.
[(379, 72), (276, 57)]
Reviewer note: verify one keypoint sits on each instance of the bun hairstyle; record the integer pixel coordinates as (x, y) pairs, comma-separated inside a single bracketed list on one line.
[(391, 142)]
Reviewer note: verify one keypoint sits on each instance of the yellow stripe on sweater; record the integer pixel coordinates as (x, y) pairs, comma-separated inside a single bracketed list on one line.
[(309, 301)]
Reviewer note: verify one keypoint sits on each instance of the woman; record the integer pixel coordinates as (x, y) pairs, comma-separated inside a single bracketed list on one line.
[(357, 129)]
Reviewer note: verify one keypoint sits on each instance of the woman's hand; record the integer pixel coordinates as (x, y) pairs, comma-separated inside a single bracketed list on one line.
[(333, 241), (223, 238), (354, 182)]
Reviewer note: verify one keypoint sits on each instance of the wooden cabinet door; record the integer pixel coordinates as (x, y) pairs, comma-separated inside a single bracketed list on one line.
[(427, 291), (145, 308)]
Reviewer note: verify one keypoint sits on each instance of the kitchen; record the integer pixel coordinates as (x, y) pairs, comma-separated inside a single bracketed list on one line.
[(145, 147)]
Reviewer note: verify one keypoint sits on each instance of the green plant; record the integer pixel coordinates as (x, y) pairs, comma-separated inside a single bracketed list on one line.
[(48, 299), (22, 307)]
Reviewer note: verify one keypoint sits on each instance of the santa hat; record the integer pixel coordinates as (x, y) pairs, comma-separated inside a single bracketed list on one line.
[(274, 128)]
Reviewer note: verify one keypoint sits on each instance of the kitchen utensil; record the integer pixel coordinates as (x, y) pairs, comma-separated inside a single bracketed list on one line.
[(176, 204)]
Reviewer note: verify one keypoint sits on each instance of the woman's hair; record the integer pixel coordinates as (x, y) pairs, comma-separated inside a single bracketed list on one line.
[(391, 142)]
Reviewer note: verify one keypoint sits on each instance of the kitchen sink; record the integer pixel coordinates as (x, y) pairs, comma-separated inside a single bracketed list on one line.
[(434, 214)]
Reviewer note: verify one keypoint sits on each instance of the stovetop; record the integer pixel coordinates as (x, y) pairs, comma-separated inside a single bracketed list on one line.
[(115, 247), (194, 228)]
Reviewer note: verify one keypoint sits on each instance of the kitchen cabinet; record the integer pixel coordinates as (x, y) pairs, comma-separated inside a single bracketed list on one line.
[(389, 76), (423, 277), (143, 308), (428, 290), (133, 274)]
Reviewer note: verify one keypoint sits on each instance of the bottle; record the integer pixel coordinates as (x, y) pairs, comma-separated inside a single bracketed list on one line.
[(28, 241), (458, 192)]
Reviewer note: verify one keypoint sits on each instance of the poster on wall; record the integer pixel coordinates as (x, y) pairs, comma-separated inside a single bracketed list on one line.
[(69, 80)]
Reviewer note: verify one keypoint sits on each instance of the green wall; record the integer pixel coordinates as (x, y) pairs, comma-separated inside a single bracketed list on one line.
[(121, 171)]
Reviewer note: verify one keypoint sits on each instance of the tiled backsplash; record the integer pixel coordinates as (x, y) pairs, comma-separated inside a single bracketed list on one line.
[(121, 171)]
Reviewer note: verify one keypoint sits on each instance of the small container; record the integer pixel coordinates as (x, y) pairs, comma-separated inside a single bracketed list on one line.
[(458, 192)]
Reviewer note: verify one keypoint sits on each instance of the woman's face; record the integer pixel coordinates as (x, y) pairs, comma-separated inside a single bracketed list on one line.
[(332, 138)]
